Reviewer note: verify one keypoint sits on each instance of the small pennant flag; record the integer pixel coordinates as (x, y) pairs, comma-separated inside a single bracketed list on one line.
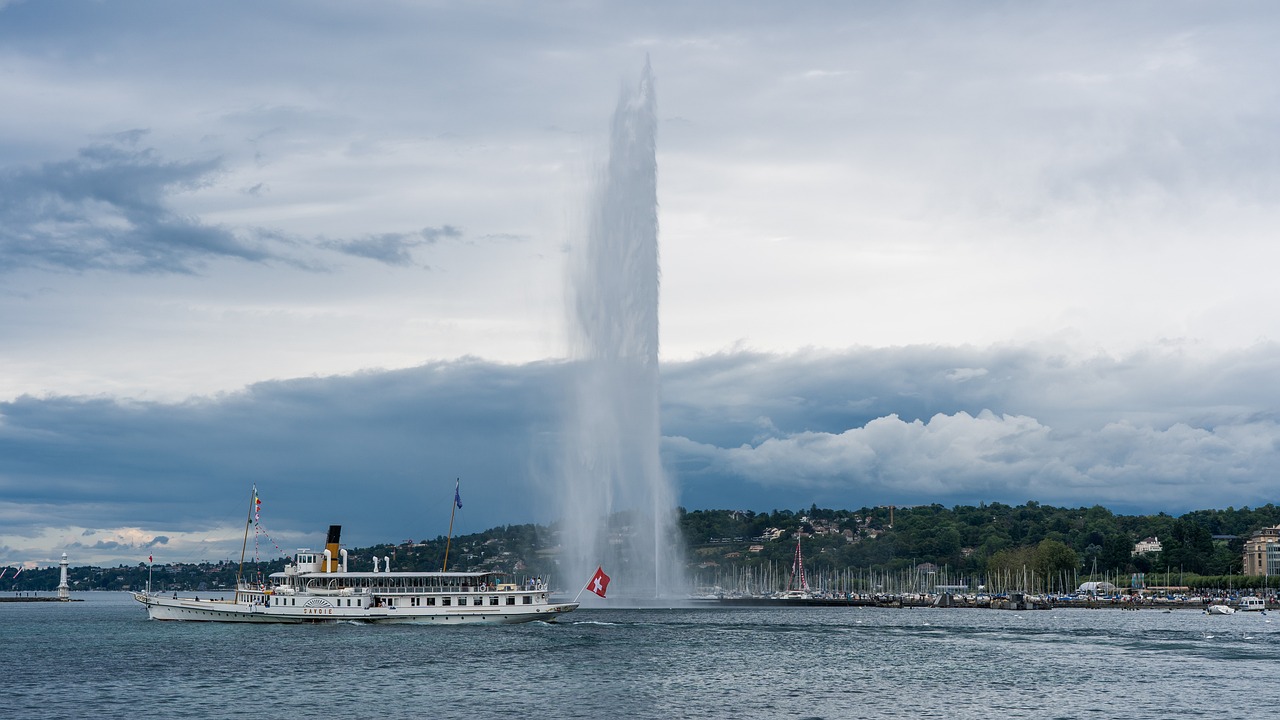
[(457, 498), (599, 582), (151, 558)]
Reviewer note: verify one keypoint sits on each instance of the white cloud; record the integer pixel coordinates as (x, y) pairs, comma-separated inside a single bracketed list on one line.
[(962, 458)]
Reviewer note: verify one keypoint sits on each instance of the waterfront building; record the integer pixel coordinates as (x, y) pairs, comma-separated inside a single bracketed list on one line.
[(1262, 552), (1147, 545)]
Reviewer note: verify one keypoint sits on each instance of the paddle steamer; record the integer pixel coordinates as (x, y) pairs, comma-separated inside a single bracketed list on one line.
[(318, 587)]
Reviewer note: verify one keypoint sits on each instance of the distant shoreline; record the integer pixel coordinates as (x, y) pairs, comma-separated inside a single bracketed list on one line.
[(956, 603)]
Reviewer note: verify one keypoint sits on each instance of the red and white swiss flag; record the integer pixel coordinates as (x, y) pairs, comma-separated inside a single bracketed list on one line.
[(599, 582)]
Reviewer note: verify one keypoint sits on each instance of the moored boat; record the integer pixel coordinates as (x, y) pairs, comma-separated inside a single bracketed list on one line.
[(798, 586), (1252, 604), (1220, 610)]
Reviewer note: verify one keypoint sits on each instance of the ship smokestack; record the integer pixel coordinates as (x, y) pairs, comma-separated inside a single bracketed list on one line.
[(331, 544)]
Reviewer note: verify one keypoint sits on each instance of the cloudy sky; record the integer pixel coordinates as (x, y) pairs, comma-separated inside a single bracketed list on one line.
[(912, 252)]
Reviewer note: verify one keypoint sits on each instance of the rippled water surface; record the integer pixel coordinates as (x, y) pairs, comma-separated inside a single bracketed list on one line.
[(103, 658)]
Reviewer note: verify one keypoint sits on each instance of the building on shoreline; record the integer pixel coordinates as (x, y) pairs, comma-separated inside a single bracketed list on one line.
[(1262, 552), (1147, 546)]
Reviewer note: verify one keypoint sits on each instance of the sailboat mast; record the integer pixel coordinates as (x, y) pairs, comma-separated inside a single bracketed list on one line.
[(797, 569)]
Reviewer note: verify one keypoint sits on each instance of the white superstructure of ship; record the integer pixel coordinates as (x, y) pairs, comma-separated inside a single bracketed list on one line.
[(318, 587)]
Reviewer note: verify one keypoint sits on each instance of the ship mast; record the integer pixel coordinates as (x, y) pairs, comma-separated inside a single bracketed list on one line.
[(253, 499), (457, 503)]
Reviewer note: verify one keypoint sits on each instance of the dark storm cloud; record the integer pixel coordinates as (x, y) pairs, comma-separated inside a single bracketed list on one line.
[(433, 235), (107, 208), (371, 451), (393, 248), (389, 248), (1155, 430), (377, 452)]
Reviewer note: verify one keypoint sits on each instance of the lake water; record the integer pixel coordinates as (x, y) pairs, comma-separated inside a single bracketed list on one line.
[(103, 659)]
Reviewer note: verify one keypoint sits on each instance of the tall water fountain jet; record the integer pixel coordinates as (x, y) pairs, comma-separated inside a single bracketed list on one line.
[(619, 503)]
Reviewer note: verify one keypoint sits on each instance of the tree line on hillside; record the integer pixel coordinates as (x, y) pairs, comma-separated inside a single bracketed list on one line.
[(984, 540), (1202, 547)]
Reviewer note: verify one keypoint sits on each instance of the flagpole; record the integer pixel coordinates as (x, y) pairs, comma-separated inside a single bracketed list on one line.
[(150, 564), (603, 583), (453, 508)]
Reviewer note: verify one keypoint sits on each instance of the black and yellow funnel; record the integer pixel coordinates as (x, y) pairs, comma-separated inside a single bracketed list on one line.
[(331, 544)]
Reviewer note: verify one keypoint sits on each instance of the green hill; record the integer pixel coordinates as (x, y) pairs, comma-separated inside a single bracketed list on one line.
[(964, 544)]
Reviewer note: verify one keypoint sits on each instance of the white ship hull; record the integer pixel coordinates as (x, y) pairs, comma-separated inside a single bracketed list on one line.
[(317, 588), (321, 610), (1253, 604)]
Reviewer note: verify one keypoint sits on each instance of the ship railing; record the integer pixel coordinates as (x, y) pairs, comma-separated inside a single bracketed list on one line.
[(435, 589)]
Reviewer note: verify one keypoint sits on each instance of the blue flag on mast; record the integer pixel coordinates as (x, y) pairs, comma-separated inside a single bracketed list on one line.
[(457, 498)]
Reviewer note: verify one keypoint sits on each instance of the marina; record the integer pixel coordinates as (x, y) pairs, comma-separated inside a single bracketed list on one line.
[(1011, 601), (1091, 594)]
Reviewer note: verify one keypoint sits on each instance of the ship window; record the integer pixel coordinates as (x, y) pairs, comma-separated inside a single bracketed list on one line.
[(431, 601), (462, 601), (493, 600), (527, 600), (446, 601), (511, 600)]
